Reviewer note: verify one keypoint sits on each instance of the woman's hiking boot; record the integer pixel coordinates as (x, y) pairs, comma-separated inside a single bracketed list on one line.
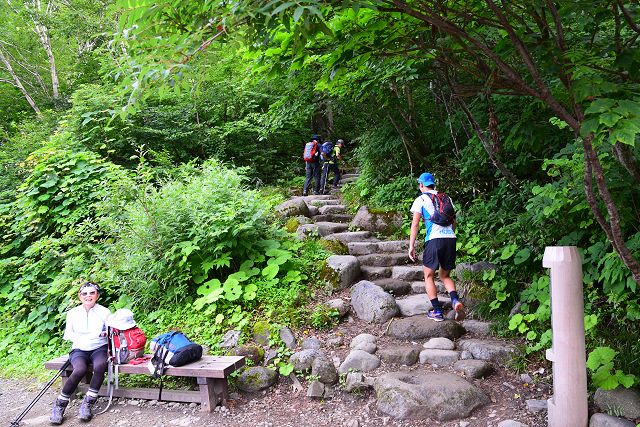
[(57, 413), (85, 408)]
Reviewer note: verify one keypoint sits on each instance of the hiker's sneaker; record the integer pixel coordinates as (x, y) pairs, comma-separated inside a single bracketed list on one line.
[(458, 309), (86, 408), (57, 413), (435, 315)]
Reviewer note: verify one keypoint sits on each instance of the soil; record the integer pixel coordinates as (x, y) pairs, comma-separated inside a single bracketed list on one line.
[(281, 406)]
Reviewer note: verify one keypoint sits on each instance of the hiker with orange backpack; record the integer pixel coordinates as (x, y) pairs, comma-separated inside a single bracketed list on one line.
[(438, 213), (311, 157), (86, 329)]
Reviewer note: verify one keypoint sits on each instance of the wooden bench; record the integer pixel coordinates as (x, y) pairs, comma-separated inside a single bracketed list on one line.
[(211, 373)]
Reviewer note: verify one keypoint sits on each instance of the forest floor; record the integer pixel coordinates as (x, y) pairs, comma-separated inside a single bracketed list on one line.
[(281, 406)]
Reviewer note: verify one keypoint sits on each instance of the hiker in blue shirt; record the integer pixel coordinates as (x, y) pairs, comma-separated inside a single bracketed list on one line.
[(440, 244), (311, 158), (86, 329)]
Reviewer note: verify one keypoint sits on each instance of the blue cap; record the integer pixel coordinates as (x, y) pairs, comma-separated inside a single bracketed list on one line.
[(427, 179)]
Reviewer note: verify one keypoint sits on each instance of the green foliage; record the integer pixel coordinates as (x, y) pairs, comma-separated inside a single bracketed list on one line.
[(603, 374), (323, 317)]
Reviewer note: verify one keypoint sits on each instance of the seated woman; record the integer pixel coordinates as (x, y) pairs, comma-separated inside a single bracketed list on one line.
[(86, 329)]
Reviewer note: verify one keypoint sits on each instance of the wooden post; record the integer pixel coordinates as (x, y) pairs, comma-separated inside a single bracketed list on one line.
[(568, 405)]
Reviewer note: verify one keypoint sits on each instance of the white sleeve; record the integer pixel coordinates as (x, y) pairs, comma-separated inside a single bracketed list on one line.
[(69, 333), (416, 206)]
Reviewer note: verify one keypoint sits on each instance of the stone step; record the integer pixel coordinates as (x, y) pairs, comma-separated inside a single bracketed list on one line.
[(348, 179), (394, 286), (418, 287), (409, 273), (384, 259), (327, 228), (350, 175), (332, 209), (344, 218), (324, 202), (374, 274), (309, 199), (351, 236), (391, 246)]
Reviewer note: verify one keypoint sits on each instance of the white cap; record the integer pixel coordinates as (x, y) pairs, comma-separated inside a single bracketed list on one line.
[(122, 319)]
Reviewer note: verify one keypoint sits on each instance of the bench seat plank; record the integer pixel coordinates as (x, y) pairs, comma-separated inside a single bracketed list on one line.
[(207, 367)]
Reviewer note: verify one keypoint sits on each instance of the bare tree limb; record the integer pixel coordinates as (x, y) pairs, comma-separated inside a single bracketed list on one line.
[(18, 83)]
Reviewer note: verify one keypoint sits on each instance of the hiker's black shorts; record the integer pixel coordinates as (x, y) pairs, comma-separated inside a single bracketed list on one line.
[(440, 253)]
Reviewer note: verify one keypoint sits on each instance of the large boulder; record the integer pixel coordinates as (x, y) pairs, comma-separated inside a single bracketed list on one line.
[(400, 355), (491, 350), (359, 360), (625, 401), (302, 360), (371, 303), (606, 420), (293, 207), (474, 368), (324, 371), (256, 378), (341, 270), (442, 396), (417, 328), (414, 304), (381, 222)]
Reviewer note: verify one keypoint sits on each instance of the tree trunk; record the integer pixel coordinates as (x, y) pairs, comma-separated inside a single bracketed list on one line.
[(624, 155), (41, 30), (405, 143), (18, 83)]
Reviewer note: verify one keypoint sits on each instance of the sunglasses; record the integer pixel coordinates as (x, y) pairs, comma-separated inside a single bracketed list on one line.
[(84, 294)]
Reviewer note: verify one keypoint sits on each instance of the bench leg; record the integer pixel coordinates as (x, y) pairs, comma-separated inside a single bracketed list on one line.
[(212, 392)]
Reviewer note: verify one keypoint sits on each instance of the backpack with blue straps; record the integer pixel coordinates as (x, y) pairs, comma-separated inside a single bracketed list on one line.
[(326, 151), (172, 349), (444, 213)]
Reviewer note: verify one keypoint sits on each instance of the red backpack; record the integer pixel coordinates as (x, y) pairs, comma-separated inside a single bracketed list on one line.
[(310, 152), (126, 345)]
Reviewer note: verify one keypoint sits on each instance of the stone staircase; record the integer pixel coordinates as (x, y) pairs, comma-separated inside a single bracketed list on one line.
[(386, 286)]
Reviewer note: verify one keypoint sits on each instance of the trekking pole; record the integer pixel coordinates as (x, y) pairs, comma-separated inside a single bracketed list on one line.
[(16, 422), (110, 373)]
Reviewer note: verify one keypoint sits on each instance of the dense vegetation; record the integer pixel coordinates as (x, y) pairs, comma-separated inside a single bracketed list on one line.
[(149, 157)]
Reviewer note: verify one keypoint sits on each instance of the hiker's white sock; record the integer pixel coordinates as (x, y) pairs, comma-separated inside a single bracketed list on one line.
[(63, 397), (92, 393)]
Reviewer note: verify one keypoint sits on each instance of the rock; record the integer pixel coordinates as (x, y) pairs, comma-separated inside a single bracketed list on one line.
[(417, 328), (230, 339), (324, 370), (350, 236), (371, 303), (356, 381), (492, 350), (409, 273), (270, 354), (329, 391), (339, 304), (376, 222), (442, 396), (315, 390), (362, 248), (414, 305), (327, 228), (440, 343), (476, 268), (625, 401), (604, 420), (466, 355), (287, 337), (439, 357), (256, 378), (375, 273), (418, 287), (307, 230), (261, 332), (400, 355), (526, 378), (251, 352), (476, 327), (341, 270), (511, 423), (311, 343), (394, 287), (359, 360), (369, 347), (536, 405), (293, 207), (362, 338), (335, 341), (474, 368), (302, 360), (332, 209), (515, 309), (313, 211)]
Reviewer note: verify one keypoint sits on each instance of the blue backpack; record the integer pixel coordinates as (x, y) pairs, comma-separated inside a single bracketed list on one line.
[(175, 349), (326, 151)]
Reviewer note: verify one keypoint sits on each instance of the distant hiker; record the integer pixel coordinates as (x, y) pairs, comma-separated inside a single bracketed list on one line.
[(311, 157), (330, 157), (437, 211), (86, 329)]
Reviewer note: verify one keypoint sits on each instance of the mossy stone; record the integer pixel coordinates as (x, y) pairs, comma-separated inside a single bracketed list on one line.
[(335, 246), (261, 332)]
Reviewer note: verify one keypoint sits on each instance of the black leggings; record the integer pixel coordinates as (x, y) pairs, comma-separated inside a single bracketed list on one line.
[(80, 361)]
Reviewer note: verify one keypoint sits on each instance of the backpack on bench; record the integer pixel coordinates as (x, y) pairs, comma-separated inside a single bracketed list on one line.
[(172, 349)]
